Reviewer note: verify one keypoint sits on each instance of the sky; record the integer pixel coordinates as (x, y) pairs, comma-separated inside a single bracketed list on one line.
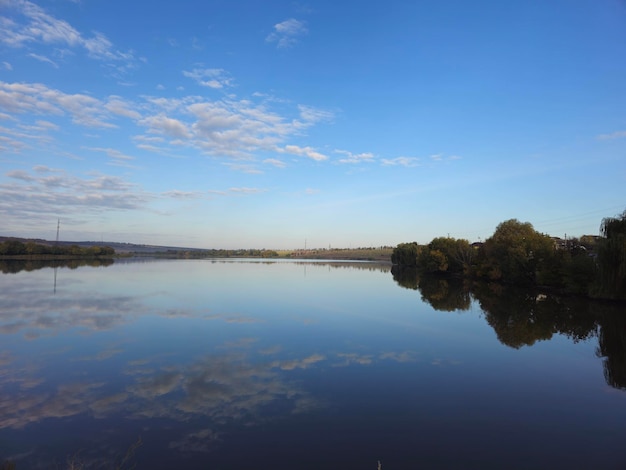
[(282, 124)]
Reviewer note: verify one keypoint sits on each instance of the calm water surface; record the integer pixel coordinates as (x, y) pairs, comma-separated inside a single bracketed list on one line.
[(247, 364)]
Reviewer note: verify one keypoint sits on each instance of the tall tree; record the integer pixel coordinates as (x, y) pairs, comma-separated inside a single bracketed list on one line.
[(516, 253), (612, 257)]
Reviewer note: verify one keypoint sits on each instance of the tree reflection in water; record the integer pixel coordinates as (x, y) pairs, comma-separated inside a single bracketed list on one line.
[(521, 317), (14, 266), (447, 294), (612, 345)]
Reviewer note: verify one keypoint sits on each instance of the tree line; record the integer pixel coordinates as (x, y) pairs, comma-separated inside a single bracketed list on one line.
[(519, 255), (18, 248)]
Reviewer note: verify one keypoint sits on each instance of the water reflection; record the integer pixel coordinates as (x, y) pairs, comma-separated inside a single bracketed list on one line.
[(442, 294), (13, 266), (612, 347), (521, 317), (204, 358)]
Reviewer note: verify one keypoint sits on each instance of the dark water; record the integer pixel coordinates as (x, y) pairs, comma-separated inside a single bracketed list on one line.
[(236, 364)]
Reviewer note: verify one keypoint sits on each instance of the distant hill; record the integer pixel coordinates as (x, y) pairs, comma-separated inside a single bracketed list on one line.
[(118, 247)]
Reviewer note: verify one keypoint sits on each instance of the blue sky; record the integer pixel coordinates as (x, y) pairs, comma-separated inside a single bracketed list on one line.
[(240, 124)]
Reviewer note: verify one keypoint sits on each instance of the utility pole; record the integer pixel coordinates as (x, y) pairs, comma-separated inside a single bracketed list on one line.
[(58, 225)]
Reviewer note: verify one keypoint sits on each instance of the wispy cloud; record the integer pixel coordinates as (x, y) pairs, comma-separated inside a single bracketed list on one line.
[(244, 168), (177, 194), (355, 158), (439, 157), (49, 191), (275, 162), (247, 190), (29, 24), (313, 115), (38, 99), (212, 78), (286, 33), (401, 161), (114, 154), (308, 152), (613, 135), (41, 58)]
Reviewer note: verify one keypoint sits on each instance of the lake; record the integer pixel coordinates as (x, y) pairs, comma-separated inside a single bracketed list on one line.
[(241, 364)]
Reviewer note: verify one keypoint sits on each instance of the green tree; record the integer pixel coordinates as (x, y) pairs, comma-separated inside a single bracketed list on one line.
[(12, 247), (516, 254), (405, 254), (33, 248), (446, 255), (612, 257)]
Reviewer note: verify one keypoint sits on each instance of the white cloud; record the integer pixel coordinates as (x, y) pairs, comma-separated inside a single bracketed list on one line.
[(286, 33), (112, 153), (355, 158), (121, 107), (7, 66), (228, 127), (401, 161), (290, 27), (20, 175), (47, 125), (37, 98), (47, 191), (275, 162), (310, 114), (308, 152), (161, 124), (439, 158), (7, 144), (148, 138), (15, 138), (176, 194), (31, 24), (237, 128), (212, 78)]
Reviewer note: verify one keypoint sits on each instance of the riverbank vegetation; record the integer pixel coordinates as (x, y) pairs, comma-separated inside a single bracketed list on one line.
[(17, 249), (517, 254), (358, 254)]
